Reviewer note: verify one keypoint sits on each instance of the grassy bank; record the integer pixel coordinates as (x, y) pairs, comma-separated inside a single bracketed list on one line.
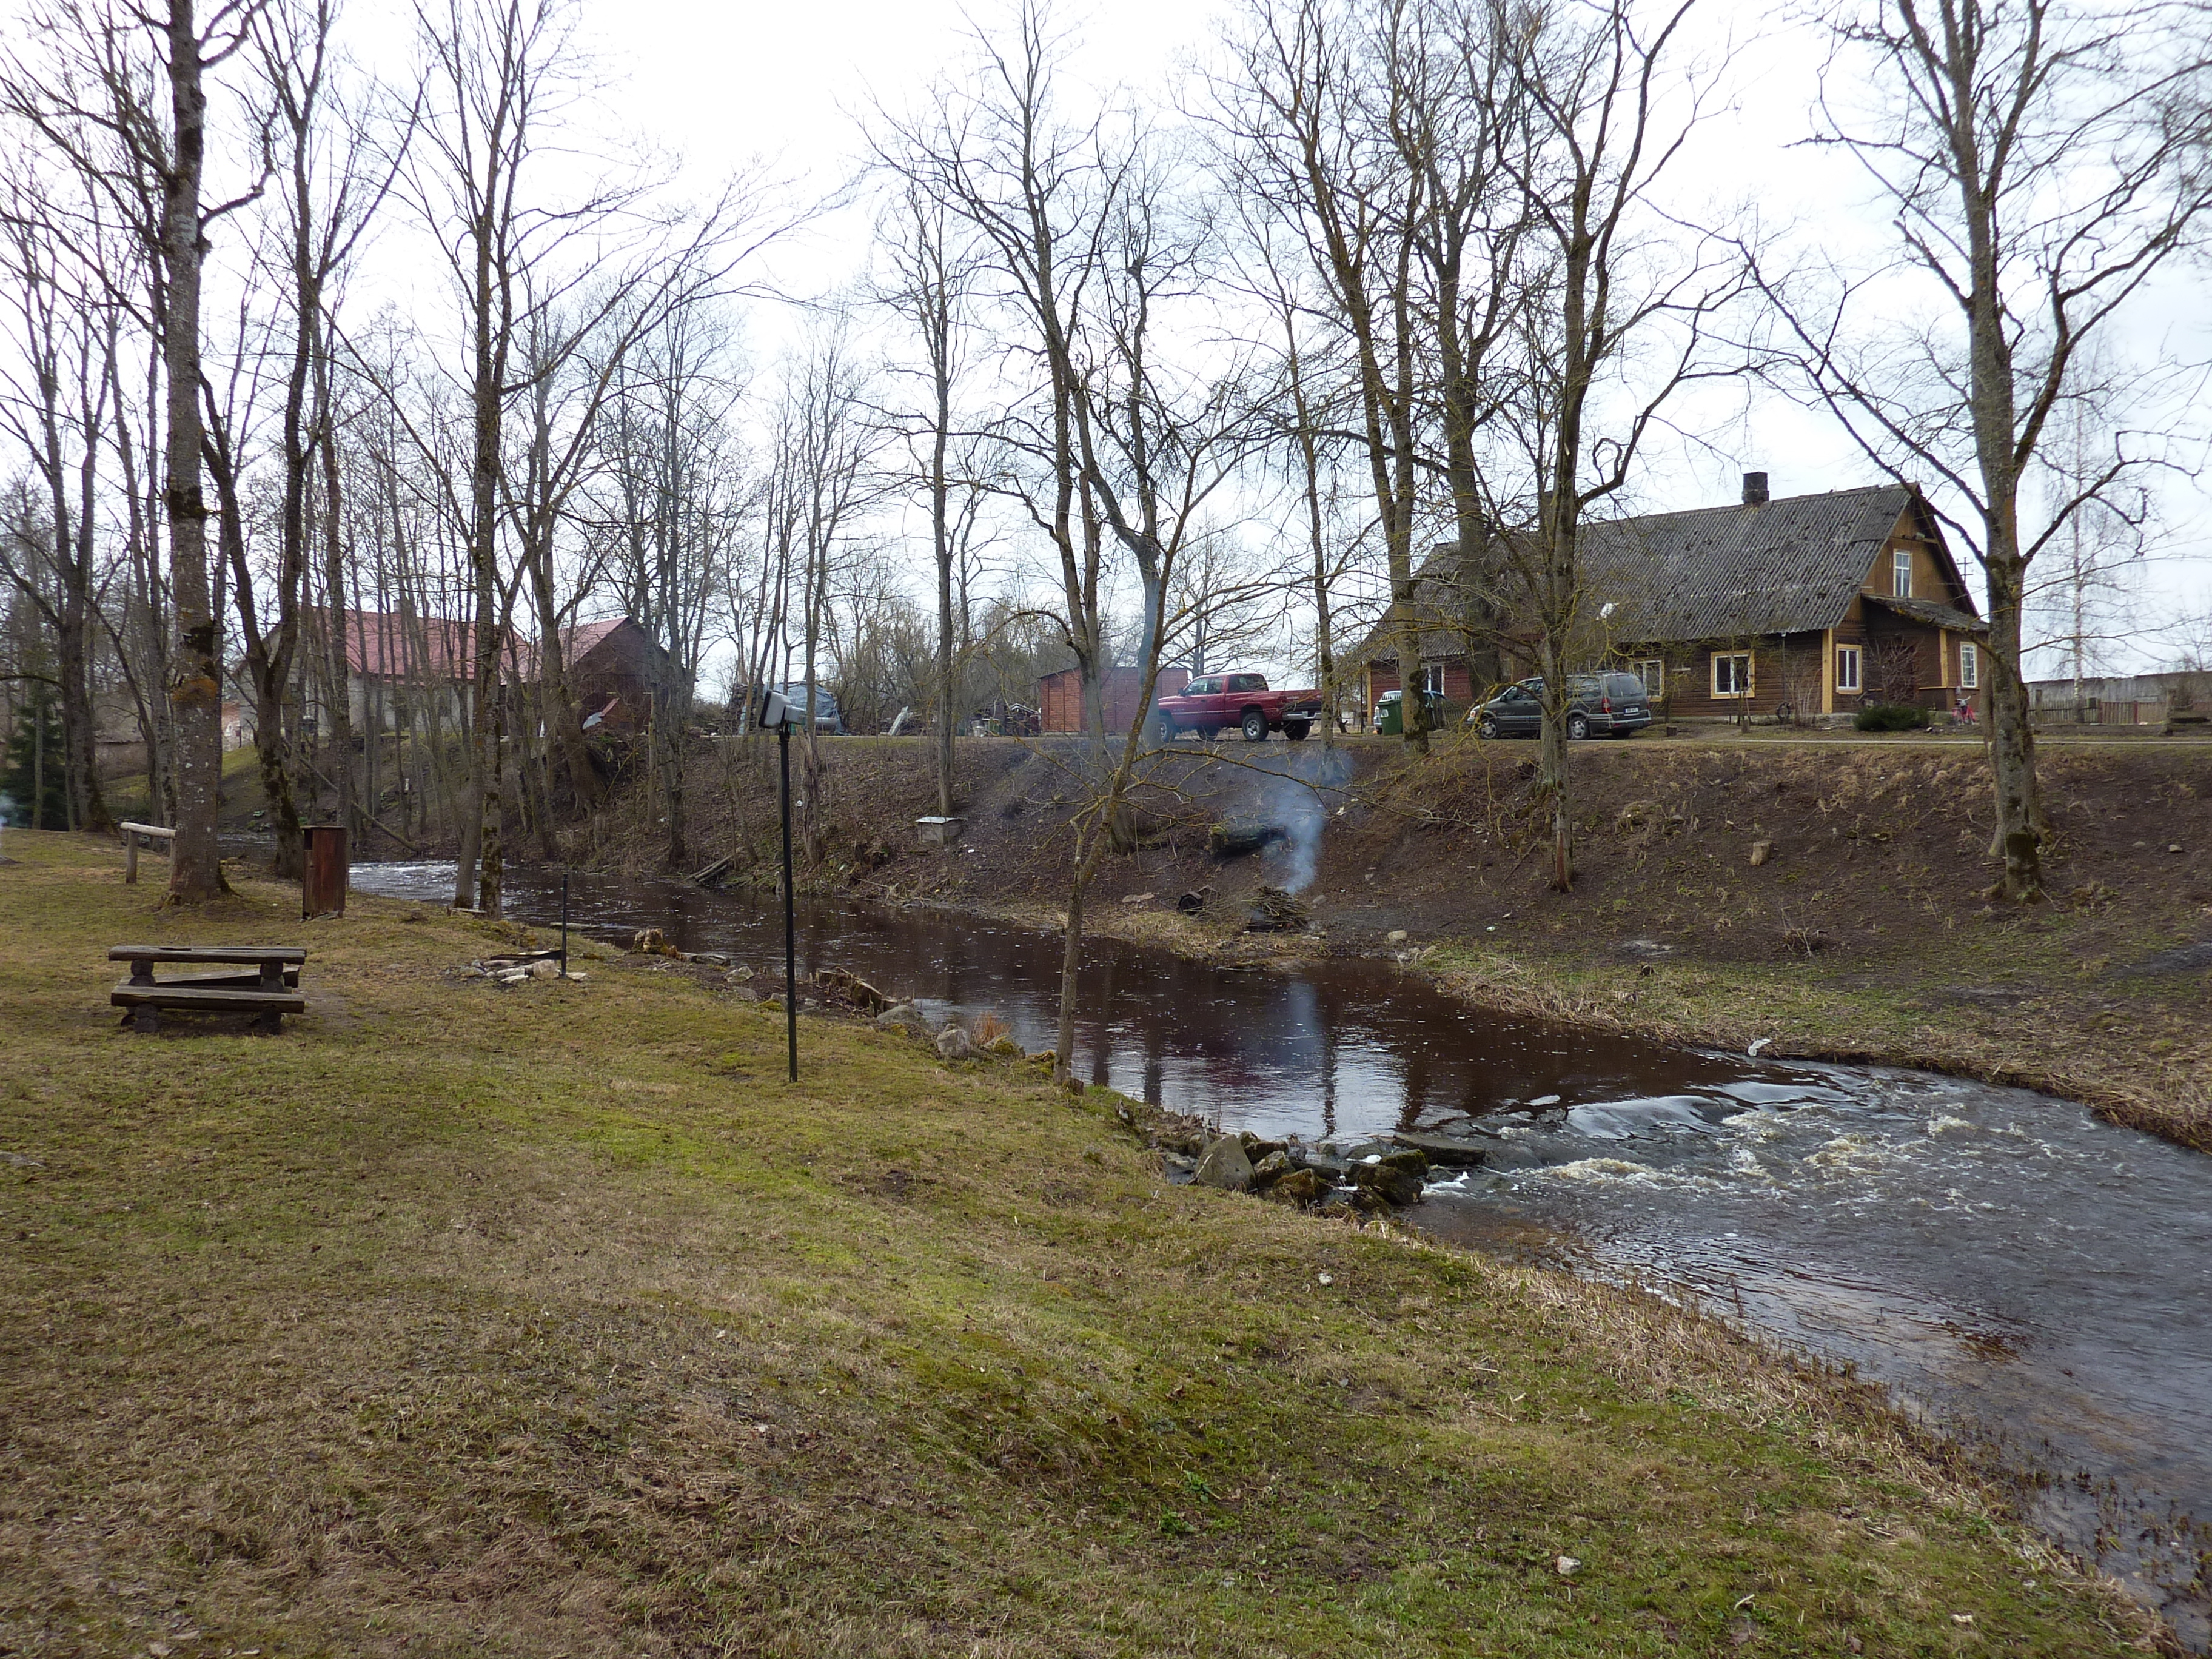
[(552, 1321)]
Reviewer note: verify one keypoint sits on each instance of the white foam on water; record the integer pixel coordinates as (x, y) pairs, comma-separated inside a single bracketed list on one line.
[(1744, 1161), (1849, 1152), (1606, 1170)]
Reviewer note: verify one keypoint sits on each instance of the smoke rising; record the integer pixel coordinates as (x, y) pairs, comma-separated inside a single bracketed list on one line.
[(1297, 802)]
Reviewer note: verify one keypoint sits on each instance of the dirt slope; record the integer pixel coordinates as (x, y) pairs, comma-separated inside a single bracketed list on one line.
[(1861, 932)]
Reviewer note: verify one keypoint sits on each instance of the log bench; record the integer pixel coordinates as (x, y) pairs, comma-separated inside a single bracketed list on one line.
[(269, 994)]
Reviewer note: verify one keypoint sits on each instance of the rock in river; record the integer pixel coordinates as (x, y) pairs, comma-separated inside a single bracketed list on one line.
[(1452, 1150), (1395, 1178), (1304, 1188), (1225, 1166), (1271, 1168)]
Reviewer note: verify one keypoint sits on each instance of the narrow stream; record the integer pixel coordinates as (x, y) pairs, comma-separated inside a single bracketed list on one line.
[(2015, 1269)]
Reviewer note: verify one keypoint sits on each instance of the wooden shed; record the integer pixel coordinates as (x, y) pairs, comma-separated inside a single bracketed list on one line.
[(1060, 697)]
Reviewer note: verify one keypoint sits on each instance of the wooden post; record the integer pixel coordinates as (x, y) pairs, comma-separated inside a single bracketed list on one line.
[(132, 835)]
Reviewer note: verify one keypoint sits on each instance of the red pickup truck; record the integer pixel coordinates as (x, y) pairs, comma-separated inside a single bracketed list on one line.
[(1214, 700)]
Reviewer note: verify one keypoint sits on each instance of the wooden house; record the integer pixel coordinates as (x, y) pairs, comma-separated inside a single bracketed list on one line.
[(614, 671), (1810, 605)]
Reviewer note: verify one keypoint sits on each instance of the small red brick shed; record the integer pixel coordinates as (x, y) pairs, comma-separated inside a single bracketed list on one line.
[(1060, 697)]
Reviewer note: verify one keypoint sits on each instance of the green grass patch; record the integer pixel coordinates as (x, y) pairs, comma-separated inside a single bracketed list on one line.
[(553, 1320)]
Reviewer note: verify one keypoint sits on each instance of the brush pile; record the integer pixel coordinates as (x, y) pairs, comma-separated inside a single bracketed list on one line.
[(1277, 912)]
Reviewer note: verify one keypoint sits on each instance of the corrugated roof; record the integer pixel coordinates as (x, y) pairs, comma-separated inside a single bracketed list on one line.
[(388, 646), (382, 645), (1784, 567), (1780, 567), (1927, 611)]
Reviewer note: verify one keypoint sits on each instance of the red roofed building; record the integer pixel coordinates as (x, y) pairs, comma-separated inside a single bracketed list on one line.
[(401, 671), (615, 669)]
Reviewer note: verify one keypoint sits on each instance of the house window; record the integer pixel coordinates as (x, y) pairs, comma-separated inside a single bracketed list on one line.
[(1432, 679), (1900, 573), (1653, 673), (1970, 666), (1731, 673), (1847, 668)]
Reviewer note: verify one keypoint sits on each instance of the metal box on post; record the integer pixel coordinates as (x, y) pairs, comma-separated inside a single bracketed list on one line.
[(323, 880)]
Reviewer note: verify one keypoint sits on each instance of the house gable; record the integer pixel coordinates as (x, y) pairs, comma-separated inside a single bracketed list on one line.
[(1934, 575)]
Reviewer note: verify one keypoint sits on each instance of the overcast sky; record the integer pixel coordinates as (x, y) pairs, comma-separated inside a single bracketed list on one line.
[(723, 83)]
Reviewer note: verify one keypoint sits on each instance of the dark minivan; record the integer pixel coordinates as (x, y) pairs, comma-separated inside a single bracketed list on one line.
[(1598, 705)]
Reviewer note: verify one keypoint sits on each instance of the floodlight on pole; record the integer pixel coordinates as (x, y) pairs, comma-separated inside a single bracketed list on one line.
[(774, 715)]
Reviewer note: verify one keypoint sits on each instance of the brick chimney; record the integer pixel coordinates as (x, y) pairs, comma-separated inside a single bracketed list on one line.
[(1754, 489)]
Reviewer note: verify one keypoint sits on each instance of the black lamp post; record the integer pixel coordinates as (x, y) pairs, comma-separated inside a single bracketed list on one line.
[(775, 714)]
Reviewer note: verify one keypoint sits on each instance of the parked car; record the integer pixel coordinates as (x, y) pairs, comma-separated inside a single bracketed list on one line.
[(826, 719), (1609, 705), (1244, 701)]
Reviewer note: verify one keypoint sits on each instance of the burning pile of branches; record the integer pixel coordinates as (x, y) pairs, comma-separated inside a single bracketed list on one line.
[(1276, 911)]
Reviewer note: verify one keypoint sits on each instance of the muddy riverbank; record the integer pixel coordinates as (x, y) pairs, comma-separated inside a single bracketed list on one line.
[(1859, 933), (2013, 1268)]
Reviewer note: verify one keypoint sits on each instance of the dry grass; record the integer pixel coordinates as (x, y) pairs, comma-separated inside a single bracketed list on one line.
[(551, 1322)]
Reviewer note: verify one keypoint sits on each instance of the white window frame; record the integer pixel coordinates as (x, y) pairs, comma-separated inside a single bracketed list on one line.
[(1432, 679), (1901, 574), (1970, 667), (1652, 672), (1749, 669), (1854, 682)]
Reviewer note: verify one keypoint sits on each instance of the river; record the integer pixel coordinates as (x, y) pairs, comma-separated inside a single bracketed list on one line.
[(2012, 1268)]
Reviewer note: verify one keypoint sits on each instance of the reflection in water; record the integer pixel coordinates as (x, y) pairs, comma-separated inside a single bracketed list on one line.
[(2007, 1262)]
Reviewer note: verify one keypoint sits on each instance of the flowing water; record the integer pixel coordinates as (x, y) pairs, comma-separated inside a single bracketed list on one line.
[(2013, 1268)]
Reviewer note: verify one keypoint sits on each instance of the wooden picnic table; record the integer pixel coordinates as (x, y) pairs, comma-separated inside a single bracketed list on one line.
[(269, 992)]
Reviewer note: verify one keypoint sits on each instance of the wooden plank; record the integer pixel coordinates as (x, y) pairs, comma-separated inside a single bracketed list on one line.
[(153, 830), (294, 953), (243, 980), (127, 995)]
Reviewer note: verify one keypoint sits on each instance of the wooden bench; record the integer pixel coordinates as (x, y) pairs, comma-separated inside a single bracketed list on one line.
[(269, 994)]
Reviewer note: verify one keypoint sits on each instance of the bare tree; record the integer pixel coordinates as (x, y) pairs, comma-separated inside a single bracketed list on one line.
[(2044, 159), (123, 100), (931, 274), (195, 684), (1311, 126), (1619, 314), (1088, 229), (2081, 602), (58, 411)]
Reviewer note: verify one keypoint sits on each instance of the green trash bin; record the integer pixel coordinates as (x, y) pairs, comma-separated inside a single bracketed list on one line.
[(1390, 713)]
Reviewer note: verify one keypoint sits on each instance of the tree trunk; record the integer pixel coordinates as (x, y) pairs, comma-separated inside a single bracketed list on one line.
[(2020, 822), (1071, 967), (334, 564), (195, 678), (1551, 774)]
